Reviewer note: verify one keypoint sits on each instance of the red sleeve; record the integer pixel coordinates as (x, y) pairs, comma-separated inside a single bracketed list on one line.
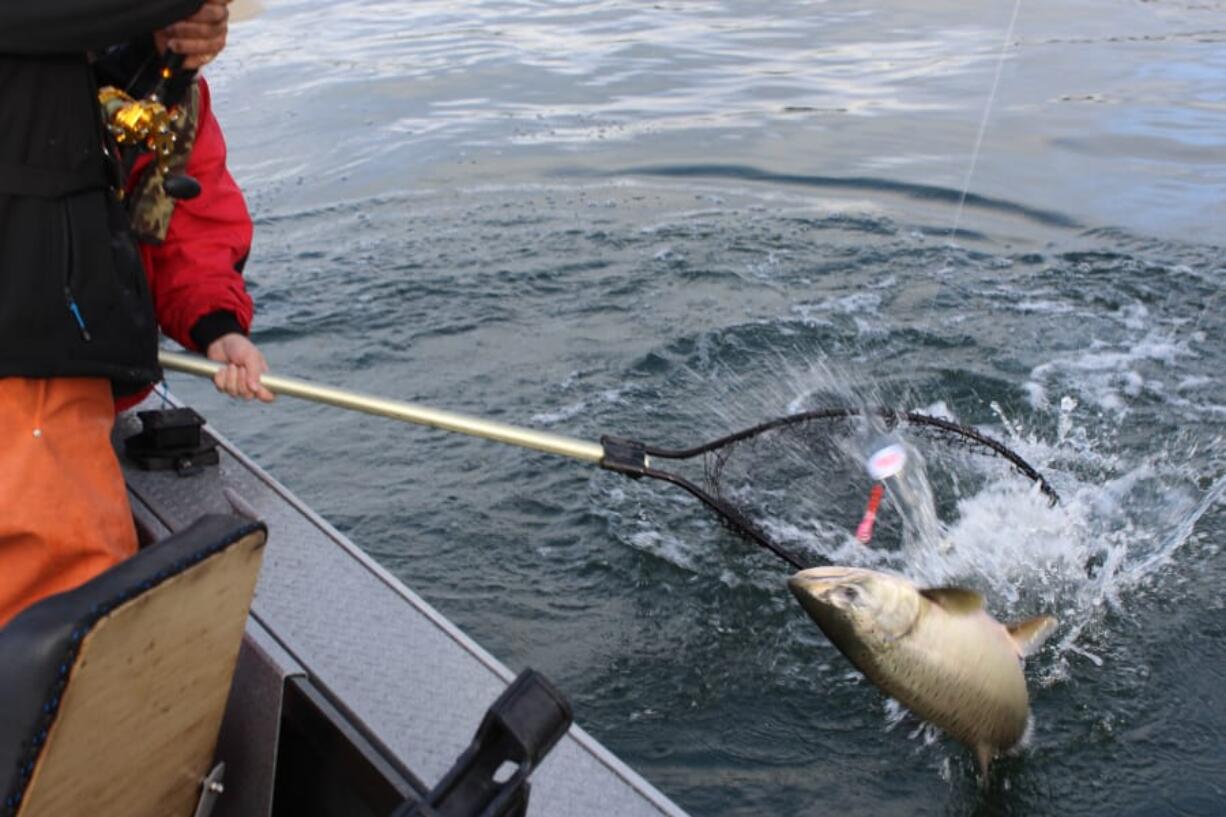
[(195, 271)]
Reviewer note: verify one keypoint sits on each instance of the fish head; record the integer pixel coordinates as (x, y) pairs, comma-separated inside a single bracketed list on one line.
[(856, 608)]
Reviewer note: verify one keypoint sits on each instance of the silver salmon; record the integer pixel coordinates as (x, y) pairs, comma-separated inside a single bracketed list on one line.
[(936, 651)]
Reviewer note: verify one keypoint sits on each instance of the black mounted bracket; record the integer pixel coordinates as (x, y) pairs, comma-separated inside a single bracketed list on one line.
[(517, 732), (172, 439)]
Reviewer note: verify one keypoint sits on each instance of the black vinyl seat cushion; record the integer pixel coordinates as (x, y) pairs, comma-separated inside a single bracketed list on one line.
[(39, 647)]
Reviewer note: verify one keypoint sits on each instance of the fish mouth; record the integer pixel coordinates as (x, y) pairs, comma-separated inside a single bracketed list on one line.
[(817, 580), (817, 591)]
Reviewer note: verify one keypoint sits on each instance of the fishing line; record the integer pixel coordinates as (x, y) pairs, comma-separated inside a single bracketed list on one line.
[(983, 121), (864, 531), (943, 274)]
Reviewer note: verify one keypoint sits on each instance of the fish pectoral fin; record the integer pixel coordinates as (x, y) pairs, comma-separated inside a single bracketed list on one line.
[(1030, 634), (954, 599)]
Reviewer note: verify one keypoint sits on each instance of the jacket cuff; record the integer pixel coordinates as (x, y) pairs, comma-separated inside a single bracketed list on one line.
[(212, 326)]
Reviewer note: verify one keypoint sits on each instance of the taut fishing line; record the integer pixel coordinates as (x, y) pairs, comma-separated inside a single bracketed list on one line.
[(983, 120)]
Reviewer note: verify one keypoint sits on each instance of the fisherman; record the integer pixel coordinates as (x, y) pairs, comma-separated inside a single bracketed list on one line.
[(193, 249), (76, 320)]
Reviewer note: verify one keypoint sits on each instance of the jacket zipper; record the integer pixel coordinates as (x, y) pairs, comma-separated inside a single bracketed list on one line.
[(69, 299)]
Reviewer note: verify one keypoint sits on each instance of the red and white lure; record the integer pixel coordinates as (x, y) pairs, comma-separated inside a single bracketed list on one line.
[(885, 462)]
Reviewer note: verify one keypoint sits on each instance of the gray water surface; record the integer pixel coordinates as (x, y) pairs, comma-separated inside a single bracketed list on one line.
[(672, 220)]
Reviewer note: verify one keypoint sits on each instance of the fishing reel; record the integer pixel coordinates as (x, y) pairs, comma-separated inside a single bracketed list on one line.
[(149, 125), (141, 123)]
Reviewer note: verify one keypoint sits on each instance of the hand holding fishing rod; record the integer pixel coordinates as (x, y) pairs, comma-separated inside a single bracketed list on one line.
[(152, 123), (198, 39)]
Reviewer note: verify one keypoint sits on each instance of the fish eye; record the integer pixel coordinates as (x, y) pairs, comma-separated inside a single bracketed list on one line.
[(850, 593)]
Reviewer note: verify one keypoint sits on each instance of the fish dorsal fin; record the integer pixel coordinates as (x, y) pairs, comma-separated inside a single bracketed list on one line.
[(1030, 634), (954, 599)]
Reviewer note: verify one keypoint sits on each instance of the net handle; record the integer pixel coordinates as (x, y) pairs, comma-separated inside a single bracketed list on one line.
[(612, 453), (401, 410)]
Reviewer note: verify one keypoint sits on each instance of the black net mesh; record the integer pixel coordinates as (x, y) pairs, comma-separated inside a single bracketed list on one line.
[(790, 482)]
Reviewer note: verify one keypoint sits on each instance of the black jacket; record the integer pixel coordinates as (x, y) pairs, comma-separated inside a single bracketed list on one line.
[(73, 296)]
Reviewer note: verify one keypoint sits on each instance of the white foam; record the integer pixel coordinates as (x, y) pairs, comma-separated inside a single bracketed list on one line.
[(1109, 373), (572, 410)]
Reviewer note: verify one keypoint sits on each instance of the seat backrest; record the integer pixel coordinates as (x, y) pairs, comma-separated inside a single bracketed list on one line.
[(113, 693)]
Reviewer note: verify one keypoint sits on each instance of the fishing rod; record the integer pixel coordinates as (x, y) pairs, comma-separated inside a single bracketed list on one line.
[(619, 454)]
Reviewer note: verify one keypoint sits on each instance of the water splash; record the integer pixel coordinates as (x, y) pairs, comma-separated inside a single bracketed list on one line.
[(1111, 536)]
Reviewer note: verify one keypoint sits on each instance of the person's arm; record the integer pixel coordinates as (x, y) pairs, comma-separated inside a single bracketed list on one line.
[(198, 289), (63, 26)]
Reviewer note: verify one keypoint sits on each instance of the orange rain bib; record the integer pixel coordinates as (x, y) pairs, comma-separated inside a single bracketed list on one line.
[(64, 512)]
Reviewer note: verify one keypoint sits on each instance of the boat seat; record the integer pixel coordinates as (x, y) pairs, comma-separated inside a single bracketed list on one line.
[(113, 693)]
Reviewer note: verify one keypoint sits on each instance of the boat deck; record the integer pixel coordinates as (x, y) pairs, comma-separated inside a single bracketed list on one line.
[(325, 610)]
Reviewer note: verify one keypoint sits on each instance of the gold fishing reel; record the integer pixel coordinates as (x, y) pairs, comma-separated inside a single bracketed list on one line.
[(161, 124), (141, 123)]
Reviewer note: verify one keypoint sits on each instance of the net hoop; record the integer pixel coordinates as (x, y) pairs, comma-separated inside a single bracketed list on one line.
[(892, 418)]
